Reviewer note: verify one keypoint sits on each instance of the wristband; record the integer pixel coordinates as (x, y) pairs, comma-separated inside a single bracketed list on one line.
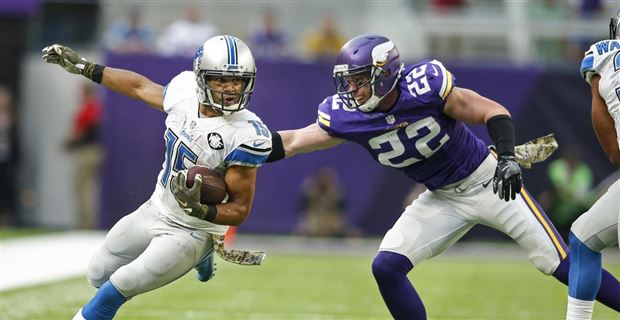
[(93, 72), (211, 213)]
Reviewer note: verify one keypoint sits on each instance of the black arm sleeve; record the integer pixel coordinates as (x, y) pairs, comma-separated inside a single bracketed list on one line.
[(502, 132), (277, 149)]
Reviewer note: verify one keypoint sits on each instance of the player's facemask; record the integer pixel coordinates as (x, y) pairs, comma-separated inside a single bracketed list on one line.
[(347, 83), (211, 96)]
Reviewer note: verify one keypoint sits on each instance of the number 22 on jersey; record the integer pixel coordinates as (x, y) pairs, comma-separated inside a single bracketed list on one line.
[(413, 132)]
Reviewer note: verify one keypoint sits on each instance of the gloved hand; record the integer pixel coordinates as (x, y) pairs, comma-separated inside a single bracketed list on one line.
[(68, 59), (189, 198), (507, 179)]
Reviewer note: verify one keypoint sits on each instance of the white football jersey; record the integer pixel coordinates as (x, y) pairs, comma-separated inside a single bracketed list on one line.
[(192, 139), (603, 59)]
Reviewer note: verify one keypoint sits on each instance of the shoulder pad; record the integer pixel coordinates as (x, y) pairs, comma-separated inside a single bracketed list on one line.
[(179, 88)]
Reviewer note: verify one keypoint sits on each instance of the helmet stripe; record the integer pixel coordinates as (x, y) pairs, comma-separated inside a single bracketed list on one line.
[(232, 50)]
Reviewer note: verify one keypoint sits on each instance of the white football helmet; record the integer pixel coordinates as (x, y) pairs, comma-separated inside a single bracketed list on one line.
[(224, 55), (614, 27)]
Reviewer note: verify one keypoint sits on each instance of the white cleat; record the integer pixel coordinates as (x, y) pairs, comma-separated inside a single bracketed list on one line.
[(78, 315)]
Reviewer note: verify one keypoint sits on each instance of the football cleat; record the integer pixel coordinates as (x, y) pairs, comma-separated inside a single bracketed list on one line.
[(206, 268)]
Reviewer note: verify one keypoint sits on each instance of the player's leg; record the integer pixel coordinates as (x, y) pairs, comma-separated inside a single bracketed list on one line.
[(172, 253), (127, 239), (169, 256), (525, 222), (426, 228), (206, 267), (594, 231)]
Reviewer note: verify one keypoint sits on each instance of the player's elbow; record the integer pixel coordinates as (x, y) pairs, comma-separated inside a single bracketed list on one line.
[(242, 214)]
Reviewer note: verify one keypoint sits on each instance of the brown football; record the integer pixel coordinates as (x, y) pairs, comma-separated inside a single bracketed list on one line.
[(213, 190)]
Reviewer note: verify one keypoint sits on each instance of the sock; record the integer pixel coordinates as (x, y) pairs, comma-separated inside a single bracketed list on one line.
[(609, 291), (584, 277), (104, 304), (390, 270), (579, 309)]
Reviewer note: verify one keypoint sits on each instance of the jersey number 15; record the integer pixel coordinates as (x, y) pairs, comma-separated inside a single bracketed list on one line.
[(176, 153)]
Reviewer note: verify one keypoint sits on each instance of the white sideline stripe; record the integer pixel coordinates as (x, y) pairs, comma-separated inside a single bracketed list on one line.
[(46, 258)]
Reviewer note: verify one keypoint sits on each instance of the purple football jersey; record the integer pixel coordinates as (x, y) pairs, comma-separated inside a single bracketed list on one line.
[(415, 136)]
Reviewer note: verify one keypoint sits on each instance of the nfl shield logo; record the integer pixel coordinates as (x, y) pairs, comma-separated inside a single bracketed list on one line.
[(390, 119)]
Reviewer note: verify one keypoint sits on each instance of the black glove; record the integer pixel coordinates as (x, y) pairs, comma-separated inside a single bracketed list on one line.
[(507, 179)]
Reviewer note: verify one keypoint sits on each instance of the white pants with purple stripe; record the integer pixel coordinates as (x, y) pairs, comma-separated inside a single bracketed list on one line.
[(437, 219), (598, 227)]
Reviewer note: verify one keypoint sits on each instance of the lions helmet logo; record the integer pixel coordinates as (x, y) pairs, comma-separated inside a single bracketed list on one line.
[(215, 141)]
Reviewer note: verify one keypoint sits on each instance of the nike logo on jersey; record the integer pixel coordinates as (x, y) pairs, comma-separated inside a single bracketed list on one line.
[(182, 203), (195, 236), (486, 184), (435, 72), (257, 144)]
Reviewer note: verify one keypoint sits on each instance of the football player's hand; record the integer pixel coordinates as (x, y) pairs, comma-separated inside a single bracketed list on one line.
[(189, 198), (68, 60), (507, 178)]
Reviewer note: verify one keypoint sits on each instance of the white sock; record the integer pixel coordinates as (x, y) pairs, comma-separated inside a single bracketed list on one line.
[(78, 315), (579, 309)]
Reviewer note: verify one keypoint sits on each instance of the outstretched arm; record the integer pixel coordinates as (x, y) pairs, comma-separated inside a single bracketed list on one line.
[(122, 81), (134, 86), (603, 124), (286, 144)]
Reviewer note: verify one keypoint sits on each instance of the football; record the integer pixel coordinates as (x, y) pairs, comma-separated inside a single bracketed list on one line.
[(213, 189)]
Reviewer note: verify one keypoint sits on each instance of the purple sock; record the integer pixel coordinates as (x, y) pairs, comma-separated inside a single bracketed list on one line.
[(609, 292), (390, 270)]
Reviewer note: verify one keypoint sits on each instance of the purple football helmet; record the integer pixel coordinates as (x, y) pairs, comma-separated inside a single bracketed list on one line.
[(372, 54)]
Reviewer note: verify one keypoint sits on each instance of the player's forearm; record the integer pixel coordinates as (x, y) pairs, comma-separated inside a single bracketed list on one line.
[(306, 140), (231, 214), (606, 135)]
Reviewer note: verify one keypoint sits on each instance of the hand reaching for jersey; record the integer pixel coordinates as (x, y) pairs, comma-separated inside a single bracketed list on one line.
[(507, 179), (189, 198)]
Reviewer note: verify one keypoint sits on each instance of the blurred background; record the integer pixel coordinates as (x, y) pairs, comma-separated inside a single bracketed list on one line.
[(76, 156)]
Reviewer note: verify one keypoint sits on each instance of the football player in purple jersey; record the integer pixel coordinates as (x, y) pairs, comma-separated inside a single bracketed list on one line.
[(413, 118), (597, 229)]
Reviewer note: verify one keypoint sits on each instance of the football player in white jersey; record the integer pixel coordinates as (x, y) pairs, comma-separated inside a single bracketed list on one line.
[(597, 229), (208, 125)]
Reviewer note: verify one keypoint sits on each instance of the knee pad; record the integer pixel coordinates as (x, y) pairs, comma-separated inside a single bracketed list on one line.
[(126, 280), (96, 273), (388, 265)]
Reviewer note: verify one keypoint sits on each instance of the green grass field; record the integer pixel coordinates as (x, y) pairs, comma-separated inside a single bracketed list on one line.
[(320, 287)]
